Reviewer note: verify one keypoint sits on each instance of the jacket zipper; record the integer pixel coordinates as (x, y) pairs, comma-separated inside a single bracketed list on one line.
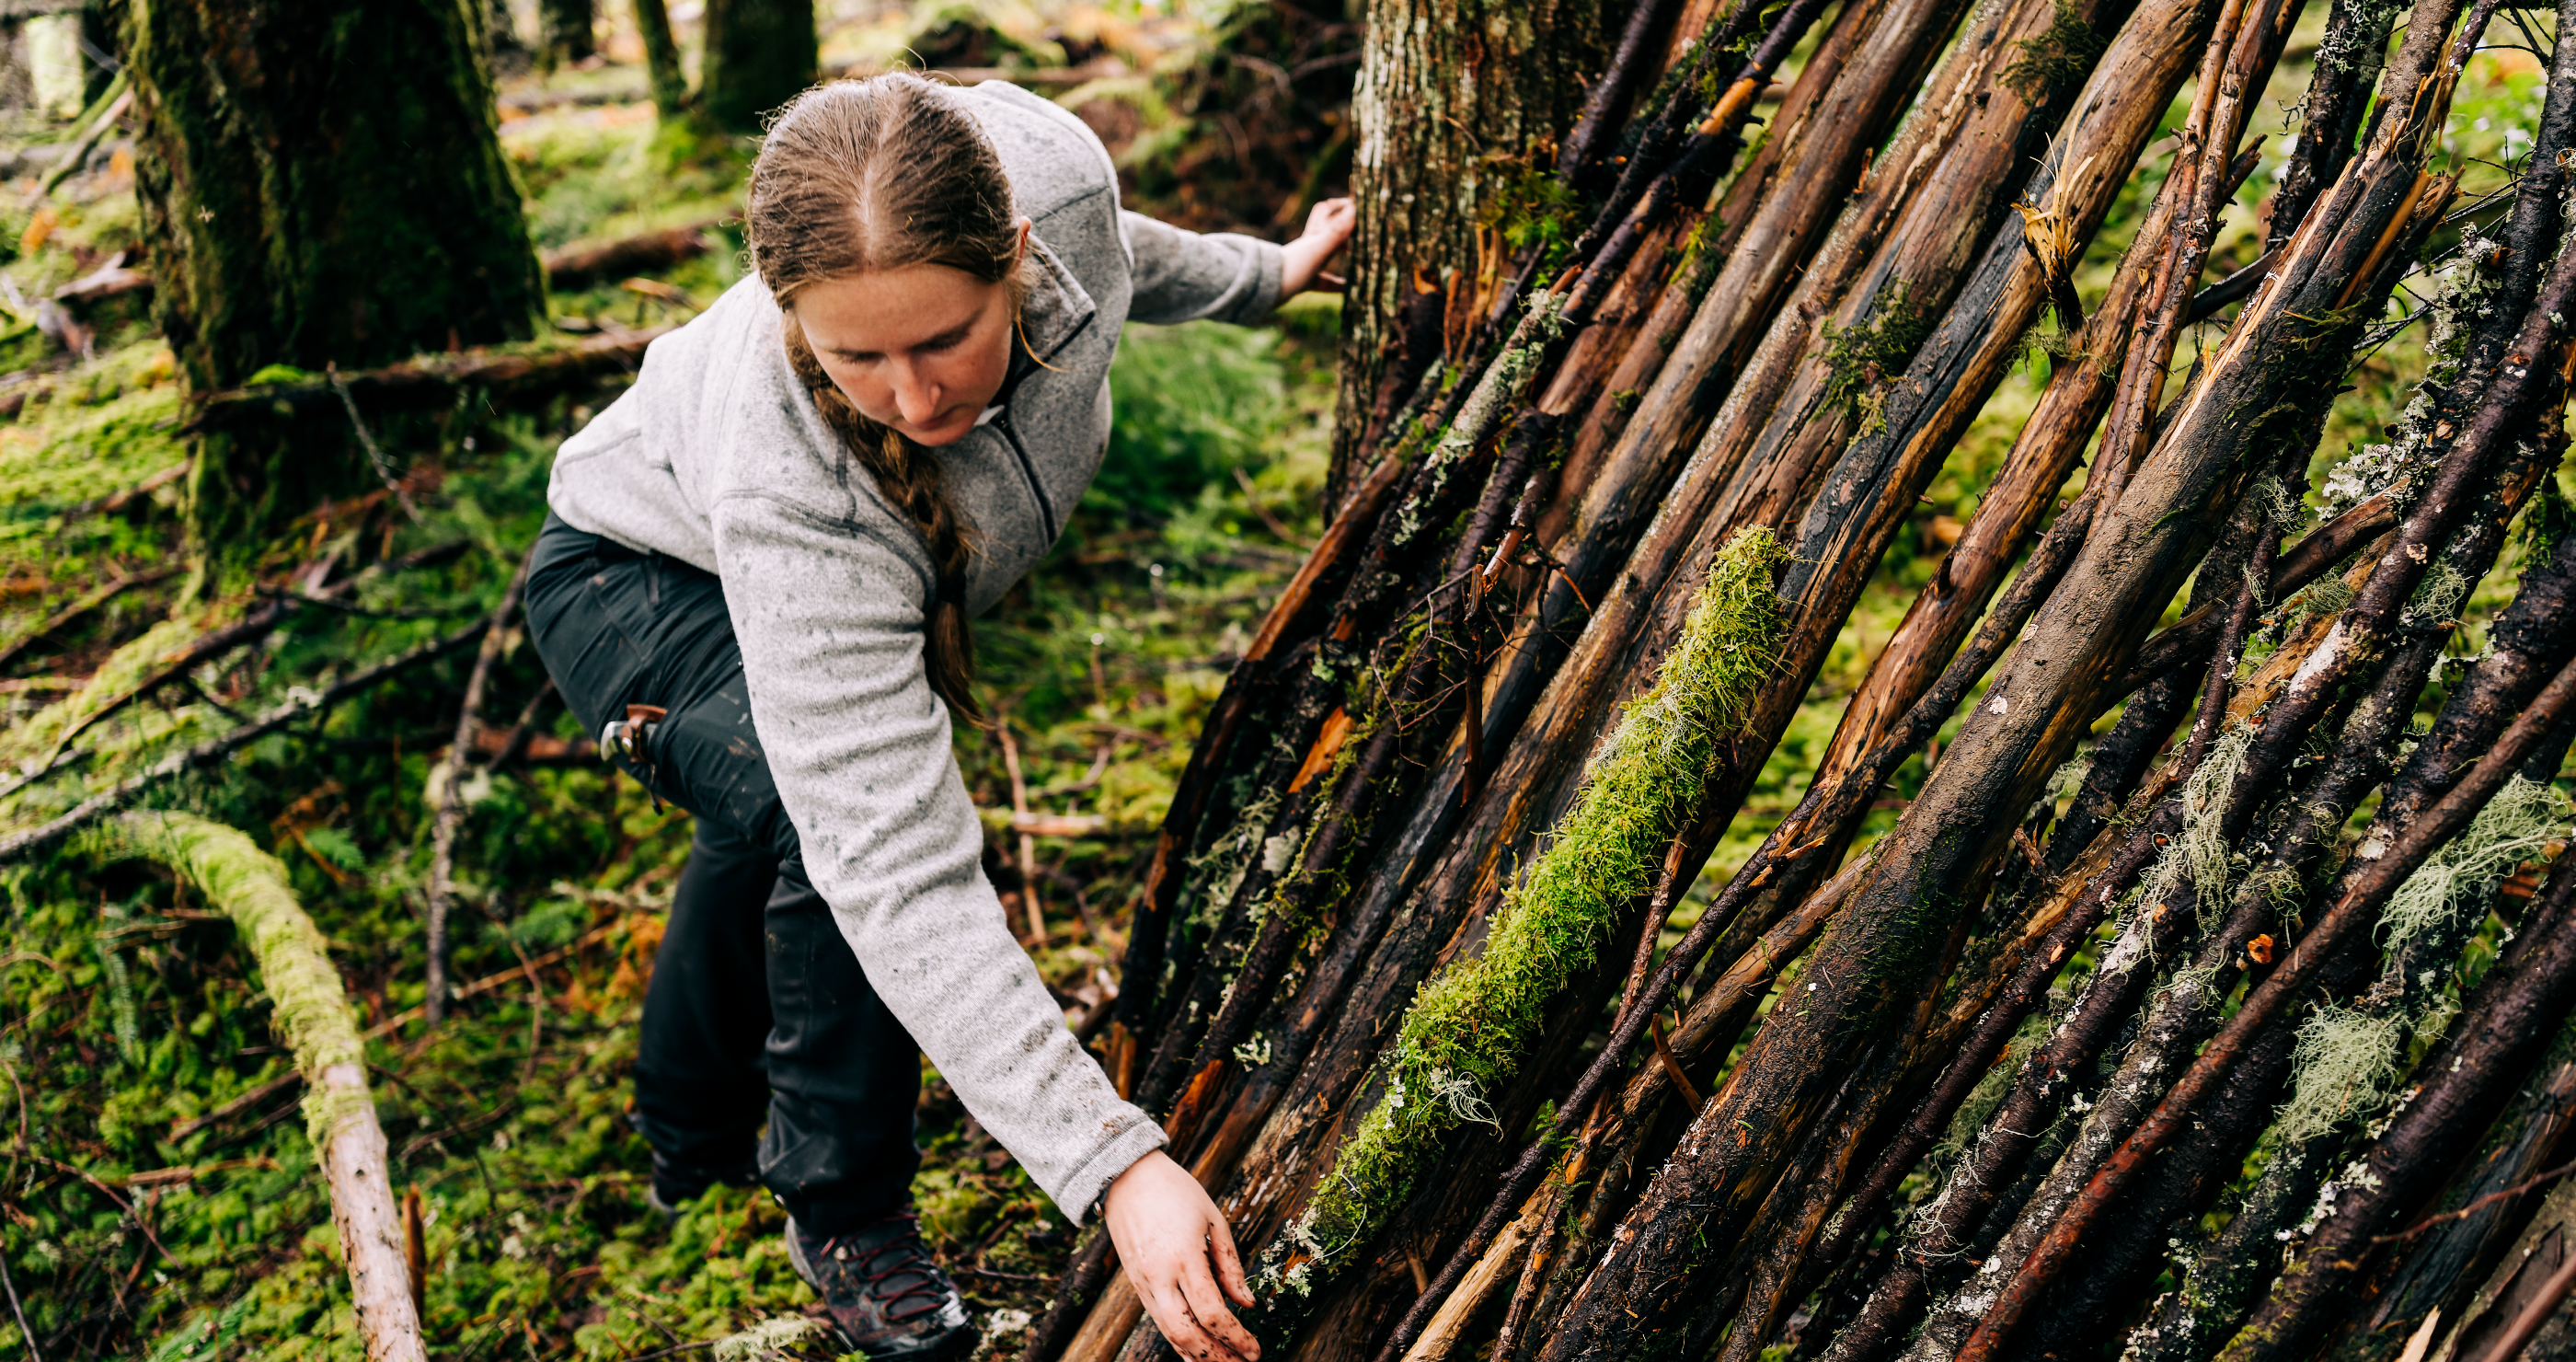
[(1028, 474)]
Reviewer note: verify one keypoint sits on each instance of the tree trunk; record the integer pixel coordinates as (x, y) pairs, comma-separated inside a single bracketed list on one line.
[(759, 53), (1459, 104), (563, 31), (324, 187), (661, 58)]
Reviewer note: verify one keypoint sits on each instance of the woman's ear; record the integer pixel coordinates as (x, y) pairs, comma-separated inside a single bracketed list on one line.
[(1020, 253)]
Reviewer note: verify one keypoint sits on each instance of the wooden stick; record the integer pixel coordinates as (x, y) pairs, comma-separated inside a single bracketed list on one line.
[(581, 265), (447, 809), (1028, 844), (83, 604), (432, 380)]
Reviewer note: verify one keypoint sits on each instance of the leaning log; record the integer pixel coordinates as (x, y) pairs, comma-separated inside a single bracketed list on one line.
[(312, 1010)]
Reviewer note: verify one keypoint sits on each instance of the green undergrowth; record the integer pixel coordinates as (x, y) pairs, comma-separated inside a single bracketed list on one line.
[(308, 1006), (1468, 1027), (138, 1046)]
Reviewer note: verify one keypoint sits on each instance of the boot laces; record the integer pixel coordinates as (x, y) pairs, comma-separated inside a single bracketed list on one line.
[(901, 1301)]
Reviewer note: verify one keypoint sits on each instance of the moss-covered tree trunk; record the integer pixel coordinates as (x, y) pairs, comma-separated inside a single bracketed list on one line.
[(323, 185), (759, 53), (1457, 101)]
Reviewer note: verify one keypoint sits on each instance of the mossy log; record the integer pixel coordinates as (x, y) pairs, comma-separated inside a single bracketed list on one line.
[(215, 749), (1497, 707), (312, 1010)]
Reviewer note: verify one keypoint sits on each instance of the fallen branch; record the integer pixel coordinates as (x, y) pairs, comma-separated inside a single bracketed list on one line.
[(580, 266), (88, 601), (312, 1011), (108, 801), (432, 380), (447, 808)]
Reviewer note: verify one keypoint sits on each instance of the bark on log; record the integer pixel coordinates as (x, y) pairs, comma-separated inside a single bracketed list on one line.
[(432, 381), (2524, 385), (581, 266), (2501, 1033)]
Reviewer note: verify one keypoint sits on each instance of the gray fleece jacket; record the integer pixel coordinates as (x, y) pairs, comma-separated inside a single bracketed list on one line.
[(719, 458)]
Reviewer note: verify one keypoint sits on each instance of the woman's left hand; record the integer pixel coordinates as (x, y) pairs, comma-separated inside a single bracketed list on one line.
[(1169, 1235), (1328, 229)]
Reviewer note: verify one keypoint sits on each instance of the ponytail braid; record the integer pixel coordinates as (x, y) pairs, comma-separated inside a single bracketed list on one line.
[(879, 174)]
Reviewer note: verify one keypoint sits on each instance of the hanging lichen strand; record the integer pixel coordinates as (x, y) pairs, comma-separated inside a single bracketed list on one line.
[(1467, 1029), (311, 1013)]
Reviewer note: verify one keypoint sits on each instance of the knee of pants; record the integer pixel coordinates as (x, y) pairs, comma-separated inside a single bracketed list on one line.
[(831, 1038)]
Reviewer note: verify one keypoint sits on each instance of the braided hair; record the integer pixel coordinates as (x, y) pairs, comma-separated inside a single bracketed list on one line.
[(878, 174)]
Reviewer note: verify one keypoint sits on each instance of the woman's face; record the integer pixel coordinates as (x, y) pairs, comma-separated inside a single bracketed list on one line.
[(922, 349)]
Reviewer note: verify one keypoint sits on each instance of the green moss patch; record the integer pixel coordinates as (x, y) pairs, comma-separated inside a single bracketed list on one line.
[(1468, 1028), (310, 1008)]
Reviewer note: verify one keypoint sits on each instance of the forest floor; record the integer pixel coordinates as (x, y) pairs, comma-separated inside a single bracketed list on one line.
[(160, 1198)]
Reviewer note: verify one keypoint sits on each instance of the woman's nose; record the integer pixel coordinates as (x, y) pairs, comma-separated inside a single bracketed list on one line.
[(916, 395)]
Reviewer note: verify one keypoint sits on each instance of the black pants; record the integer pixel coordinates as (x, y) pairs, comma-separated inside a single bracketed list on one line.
[(756, 1001)]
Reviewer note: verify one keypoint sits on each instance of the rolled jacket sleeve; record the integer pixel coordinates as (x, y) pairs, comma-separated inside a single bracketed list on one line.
[(1185, 276), (829, 616)]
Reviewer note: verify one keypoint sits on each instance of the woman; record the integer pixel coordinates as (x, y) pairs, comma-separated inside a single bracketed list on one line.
[(755, 584)]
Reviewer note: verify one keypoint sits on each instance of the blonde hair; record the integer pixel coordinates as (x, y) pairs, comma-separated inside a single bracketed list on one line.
[(877, 174)]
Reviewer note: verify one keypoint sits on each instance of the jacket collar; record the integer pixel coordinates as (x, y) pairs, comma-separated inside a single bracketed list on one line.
[(1057, 309)]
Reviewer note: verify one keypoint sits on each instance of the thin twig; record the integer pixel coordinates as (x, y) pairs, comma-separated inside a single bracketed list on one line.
[(121, 1203), (536, 990), (2476, 1206), (375, 453), (87, 602), (25, 1334), (1028, 843), (672, 1351), (449, 814)]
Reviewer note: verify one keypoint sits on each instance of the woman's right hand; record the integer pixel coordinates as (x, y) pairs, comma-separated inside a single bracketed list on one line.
[(1167, 1232)]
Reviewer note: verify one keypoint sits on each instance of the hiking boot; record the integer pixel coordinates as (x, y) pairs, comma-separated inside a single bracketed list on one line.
[(884, 1291), (675, 1185)]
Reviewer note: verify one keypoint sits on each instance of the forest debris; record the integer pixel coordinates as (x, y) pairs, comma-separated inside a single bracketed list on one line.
[(447, 807), (312, 1011), (81, 605), (1463, 1035), (115, 797), (581, 265), (1028, 840), (432, 380), (110, 280), (78, 157)]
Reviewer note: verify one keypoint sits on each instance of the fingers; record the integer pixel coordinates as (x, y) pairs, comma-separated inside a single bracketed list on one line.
[(1200, 1290), (1172, 1315), (1229, 1264)]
